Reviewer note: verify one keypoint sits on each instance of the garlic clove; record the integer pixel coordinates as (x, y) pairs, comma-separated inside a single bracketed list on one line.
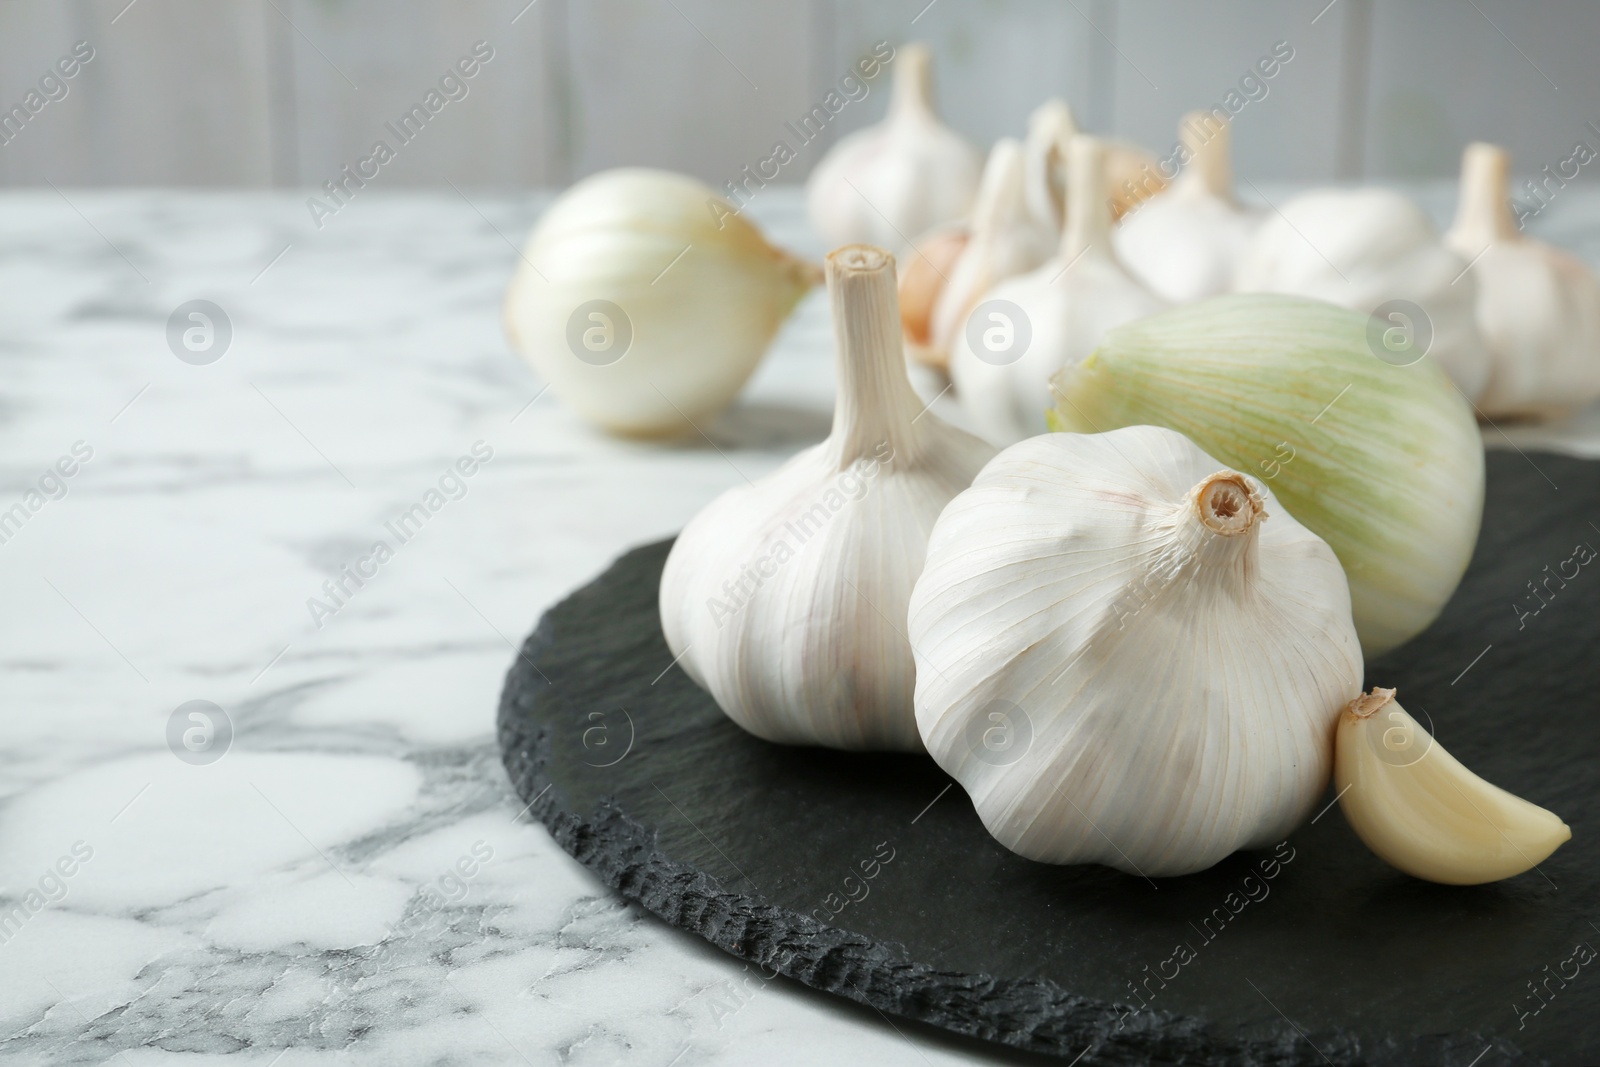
[(1419, 810), (1538, 307), (1128, 656), (786, 598), (646, 301), (1029, 327), (1384, 462), (1186, 242), (923, 274), (1365, 249), (888, 183)]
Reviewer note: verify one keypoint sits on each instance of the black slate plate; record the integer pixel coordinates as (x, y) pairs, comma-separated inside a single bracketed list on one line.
[(866, 877)]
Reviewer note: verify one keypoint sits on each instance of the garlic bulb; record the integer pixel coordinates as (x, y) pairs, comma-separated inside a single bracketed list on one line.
[(1419, 810), (1186, 243), (1384, 462), (1027, 328), (892, 182), (1036, 225), (646, 301), (786, 599), (1538, 307), (1128, 656), (1003, 240), (1365, 249), (1132, 174)]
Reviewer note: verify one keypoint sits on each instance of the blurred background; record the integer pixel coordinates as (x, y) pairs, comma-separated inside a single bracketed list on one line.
[(287, 92)]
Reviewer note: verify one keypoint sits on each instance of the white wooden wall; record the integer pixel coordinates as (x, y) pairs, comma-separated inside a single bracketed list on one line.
[(285, 92)]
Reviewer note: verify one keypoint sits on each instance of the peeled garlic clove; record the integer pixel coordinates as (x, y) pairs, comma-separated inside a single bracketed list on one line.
[(1030, 326), (1132, 174), (1366, 248), (1003, 241), (1186, 242), (923, 273), (1538, 307), (1419, 810), (646, 302), (888, 183), (1128, 656), (786, 599), (1384, 462)]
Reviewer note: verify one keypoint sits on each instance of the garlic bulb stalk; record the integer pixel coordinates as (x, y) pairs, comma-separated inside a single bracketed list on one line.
[(1538, 307), (892, 182), (1003, 240), (1366, 249), (1027, 328), (1132, 174), (1051, 127), (1419, 810), (1186, 242), (646, 301), (1383, 462), (1128, 656), (786, 599)]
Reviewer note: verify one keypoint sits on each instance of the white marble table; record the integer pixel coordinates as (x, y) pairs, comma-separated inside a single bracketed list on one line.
[(351, 880)]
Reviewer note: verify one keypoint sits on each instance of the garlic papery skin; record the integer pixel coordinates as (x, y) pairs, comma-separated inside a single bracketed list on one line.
[(646, 302), (1027, 328), (924, 270), (1129, 656), (1363, 249), (890, 183), (1538, 307), (786, 599), (1003, 241), (1384, 462), (1420, 811), (1186, 242)]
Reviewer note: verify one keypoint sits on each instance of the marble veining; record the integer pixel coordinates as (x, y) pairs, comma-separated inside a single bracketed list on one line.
[(352, 880)]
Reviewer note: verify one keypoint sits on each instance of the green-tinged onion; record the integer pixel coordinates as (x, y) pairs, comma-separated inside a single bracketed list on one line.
[(1381, 460)]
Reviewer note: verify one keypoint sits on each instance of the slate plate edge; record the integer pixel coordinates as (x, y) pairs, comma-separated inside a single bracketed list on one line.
[(1041, 1016)]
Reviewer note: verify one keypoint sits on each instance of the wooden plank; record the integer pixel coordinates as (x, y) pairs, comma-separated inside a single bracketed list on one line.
[(1443, 75), (359, 66), (52, 143), (1174, 57), (695, 86), (176, 93), (994, 62)]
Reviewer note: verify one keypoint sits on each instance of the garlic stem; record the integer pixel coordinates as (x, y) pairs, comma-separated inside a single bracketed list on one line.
[(1219, 519), (1000, 193), (913, 82), (1050, 127), (1088, 201), (1226, 504), (1483, 213), (1367, 705), (876, 402), (1208, 140)]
